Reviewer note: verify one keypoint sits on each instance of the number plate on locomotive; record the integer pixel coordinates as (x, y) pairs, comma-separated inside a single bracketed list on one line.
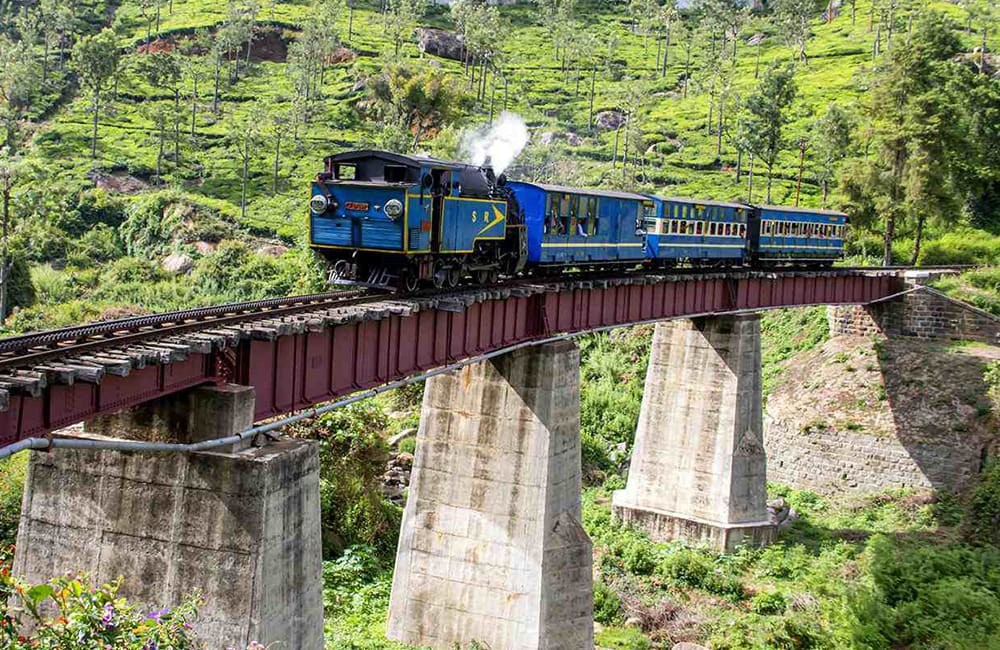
[(359, 207)]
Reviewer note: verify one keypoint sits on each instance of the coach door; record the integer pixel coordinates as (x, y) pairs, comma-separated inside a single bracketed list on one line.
[(440, 188)]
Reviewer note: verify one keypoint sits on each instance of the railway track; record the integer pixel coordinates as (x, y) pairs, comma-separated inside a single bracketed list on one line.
[(30, 362)]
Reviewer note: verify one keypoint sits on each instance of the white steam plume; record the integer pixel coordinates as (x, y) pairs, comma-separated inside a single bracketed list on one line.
[(499, 143)]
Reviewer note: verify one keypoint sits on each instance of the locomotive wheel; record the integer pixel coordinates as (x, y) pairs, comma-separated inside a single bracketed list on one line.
[(482, 276), (410, 282), (454, 277)]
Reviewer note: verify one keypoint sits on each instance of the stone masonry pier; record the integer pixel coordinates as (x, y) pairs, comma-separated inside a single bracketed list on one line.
[(698, 470), (491, 548), (240, 527)]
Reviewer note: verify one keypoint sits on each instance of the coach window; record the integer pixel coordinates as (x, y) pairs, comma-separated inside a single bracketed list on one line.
[(591, 215), (727, 229), (565, 213), (698, 227), (649, 218), (743, 230), (711, 229), (684, 227)]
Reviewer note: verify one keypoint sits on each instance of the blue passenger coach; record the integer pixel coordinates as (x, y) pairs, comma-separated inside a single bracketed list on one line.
[(703, 231), (568, 225), (783, 234)]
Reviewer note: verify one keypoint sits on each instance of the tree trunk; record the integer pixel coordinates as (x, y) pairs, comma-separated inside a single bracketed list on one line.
[(826, 191), (739, 165), (770, 180), (350, 21), (982, 56), (718, 130), (919, 240), (756, 68), (246, 175), (194, 103), (750, 179), (625, 145), (666, 52), (3, 248), (277, 161), (890, 232), (593, 79), (854, 13), (215, 93), (96, 106), (157, 17), (614, 155), (159, 152), (177, 125), (711, 108), (687, 67)]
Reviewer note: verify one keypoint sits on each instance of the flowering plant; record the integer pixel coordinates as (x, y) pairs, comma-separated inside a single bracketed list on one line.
[(69, 612)]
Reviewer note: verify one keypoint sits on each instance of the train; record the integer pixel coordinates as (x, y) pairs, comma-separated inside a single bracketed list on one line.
[(389, 219)]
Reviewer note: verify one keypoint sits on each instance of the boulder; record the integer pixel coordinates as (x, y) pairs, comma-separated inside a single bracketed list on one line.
[(547, 138), (573, 139), (439, 42), (205, 247), (609, 120), (272, 250), (177, 263)]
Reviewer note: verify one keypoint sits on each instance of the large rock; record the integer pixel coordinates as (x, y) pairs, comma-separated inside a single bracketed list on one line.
[(177, 263), (440, 43), (609, 120)]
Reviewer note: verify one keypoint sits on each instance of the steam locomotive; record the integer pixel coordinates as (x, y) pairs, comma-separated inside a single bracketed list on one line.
[(383, 218)]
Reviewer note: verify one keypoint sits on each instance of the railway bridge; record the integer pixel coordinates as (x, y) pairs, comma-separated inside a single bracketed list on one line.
[(491, 547)]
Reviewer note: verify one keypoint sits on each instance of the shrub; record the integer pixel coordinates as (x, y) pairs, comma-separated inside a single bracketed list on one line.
[(12, 473), (607, 605), (131, 270), (696, 569), (983, 517), (70, 612), (966, 247), (757, 632), (768, 602), (20, 290), (353, 453)]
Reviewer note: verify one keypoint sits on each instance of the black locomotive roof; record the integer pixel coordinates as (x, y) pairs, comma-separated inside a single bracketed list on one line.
[(398, 158)]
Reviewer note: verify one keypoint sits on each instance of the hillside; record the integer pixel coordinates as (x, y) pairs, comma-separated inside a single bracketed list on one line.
[(201, 87)]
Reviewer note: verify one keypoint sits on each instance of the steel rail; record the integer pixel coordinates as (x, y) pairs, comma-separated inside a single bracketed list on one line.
[(148, 329), (35, 348)]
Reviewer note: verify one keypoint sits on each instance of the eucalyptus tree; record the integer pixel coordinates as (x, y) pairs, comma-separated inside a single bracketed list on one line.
[(162, 70), (244, 134), (402, 17), (831, 144), (96, 59), (795, 18), (19, 74), (766, 115), (667, 14)]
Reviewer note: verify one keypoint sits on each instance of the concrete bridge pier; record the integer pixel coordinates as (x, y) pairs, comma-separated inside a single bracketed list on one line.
[(240, 526), (698, 469), (491, 548)]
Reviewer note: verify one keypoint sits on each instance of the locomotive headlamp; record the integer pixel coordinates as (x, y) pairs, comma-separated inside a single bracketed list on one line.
[(319, 203), (393, 208)]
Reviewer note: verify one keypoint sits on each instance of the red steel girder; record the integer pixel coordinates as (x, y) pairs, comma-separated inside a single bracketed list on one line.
[(299, 370)]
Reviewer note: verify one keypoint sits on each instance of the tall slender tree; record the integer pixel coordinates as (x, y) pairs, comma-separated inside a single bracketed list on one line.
[(766, 115), (96, 59)]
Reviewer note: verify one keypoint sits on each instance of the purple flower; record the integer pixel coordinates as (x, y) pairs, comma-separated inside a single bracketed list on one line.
[(158, 615), (107, 620)]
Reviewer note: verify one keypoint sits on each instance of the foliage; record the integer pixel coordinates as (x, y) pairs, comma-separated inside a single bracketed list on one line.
[(766, 115), (613, 369), (979, 287), (352, 457), (71, 612), (12, 475), (983, 517), (607, 605)]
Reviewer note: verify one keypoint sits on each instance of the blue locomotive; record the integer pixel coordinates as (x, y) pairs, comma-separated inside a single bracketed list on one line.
[(384, 218)]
